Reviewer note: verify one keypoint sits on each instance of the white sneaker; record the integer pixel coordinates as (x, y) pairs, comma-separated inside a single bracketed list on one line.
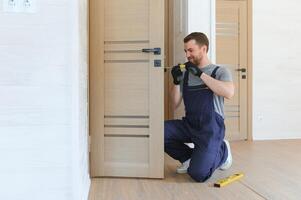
[(183, 168), (227, 164)]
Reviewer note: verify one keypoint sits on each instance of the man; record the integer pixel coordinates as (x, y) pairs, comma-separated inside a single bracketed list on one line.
[(203, 87)]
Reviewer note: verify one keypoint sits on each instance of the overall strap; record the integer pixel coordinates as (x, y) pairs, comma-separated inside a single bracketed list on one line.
[(185, 82), (186, 75), (213, 74)]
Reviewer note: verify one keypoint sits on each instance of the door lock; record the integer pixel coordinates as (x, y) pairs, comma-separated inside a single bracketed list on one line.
[(157, 63)]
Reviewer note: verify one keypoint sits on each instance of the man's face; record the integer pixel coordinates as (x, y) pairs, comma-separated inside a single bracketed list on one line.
[(194, 52)]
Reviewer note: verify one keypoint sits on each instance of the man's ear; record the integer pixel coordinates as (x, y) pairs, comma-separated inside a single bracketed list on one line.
[(204, 48)]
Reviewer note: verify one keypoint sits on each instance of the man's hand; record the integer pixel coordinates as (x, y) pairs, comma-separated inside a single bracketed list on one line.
[(177, 74), (195, 70)]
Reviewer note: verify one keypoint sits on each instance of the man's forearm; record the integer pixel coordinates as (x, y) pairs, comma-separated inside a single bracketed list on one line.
[(176, 96), (221, 88)]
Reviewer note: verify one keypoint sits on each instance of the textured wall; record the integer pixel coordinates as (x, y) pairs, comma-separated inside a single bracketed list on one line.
[(39, 57)]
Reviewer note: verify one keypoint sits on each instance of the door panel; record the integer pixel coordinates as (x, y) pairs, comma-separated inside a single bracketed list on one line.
[(126, 156), (231, 51), (126, 89), (127, 20)]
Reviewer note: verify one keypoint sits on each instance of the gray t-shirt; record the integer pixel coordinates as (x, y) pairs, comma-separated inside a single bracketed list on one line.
[(222, 74)]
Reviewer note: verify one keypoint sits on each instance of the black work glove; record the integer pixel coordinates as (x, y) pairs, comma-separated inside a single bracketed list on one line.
[(195, 70), (177, 74)]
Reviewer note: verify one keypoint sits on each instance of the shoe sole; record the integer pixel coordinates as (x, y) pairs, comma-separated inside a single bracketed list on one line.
[(181, 171), (229, 153)]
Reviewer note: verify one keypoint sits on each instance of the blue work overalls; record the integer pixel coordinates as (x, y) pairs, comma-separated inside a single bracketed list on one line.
[(201, 126)]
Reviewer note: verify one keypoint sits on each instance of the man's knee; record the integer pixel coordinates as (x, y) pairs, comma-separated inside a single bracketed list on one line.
[(201, 167), (199, 175)]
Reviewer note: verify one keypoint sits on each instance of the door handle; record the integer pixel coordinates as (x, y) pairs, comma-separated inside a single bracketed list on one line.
[(241, 69), (156, 51)]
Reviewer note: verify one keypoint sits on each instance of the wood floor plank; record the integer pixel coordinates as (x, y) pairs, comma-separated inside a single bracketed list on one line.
[(271, 169)]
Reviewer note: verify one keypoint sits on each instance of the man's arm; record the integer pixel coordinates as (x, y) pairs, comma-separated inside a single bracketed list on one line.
[(176, 96), (221, 88)]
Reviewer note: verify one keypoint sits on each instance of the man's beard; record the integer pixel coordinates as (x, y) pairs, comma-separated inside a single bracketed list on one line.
[(195, 61)]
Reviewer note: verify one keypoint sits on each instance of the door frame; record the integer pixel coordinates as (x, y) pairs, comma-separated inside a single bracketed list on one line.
[(96, 36), (250, 69)]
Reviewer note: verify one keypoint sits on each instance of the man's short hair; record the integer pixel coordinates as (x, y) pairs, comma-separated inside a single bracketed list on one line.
[(200, 38)]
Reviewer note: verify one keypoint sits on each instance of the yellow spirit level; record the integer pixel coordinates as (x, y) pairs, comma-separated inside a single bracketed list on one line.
[(228, 180)]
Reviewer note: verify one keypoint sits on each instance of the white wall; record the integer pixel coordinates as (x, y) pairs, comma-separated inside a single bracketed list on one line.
[(201, 18), (276, 69), (42, 126)]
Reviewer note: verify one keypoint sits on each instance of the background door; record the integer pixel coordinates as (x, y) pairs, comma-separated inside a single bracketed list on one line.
[(231, 51), (126, 88)]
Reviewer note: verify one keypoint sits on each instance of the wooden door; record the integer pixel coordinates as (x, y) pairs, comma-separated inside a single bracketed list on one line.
[(126, 88), (231, 51)]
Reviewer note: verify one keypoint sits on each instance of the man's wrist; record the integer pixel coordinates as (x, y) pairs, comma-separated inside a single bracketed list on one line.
[(200, 74)]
